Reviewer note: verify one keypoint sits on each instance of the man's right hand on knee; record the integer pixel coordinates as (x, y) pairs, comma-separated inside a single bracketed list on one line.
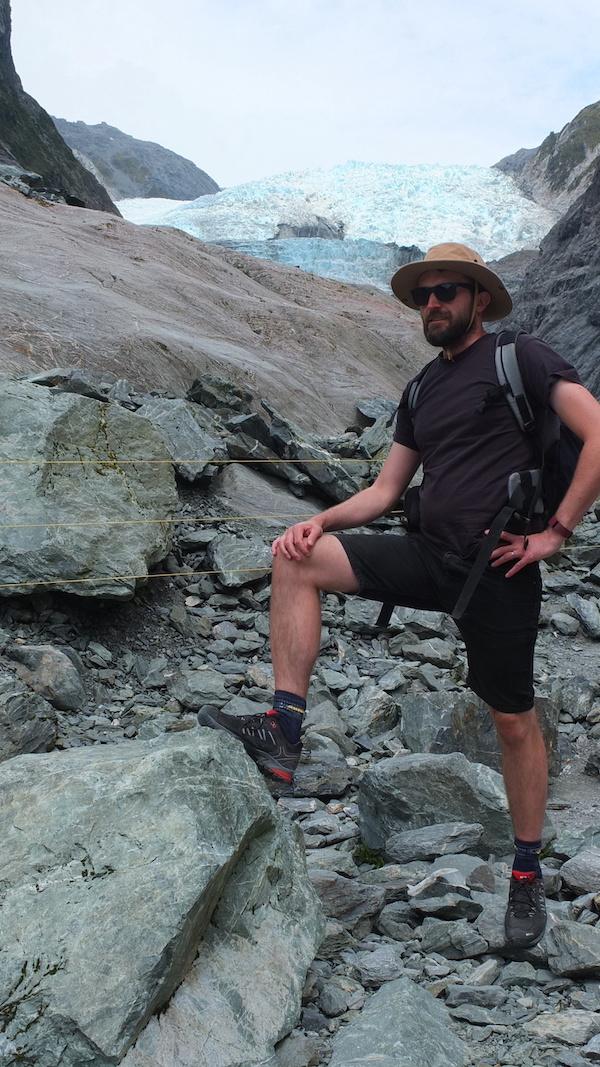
[(298, 541)]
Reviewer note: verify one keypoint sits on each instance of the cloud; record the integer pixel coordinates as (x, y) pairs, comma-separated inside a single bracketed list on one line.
[(252, 88)]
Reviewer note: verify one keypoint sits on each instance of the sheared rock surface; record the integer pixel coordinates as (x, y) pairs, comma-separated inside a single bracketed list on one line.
[(146, 849), (96, 514)]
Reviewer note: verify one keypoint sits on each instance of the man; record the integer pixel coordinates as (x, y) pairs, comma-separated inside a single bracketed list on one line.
[(464, 434)]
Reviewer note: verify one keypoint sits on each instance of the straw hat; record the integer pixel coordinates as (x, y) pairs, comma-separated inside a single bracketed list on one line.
[(459, 258)]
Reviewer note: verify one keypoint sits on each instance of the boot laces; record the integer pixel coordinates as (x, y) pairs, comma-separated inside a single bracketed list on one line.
[(524, 898)]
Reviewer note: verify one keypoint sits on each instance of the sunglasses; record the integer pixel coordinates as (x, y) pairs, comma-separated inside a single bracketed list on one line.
[(445, 292)]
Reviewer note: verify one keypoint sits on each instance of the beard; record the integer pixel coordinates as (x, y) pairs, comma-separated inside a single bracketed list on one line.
[(443, 331)]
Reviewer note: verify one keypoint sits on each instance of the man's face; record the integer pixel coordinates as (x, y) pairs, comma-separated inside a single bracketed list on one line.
[(445, 323)]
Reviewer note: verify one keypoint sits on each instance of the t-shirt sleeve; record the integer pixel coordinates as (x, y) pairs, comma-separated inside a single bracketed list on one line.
[(541, 367), (404, 431)]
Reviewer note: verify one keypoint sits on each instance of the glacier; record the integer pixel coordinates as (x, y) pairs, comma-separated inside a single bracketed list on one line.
[(380, 209)]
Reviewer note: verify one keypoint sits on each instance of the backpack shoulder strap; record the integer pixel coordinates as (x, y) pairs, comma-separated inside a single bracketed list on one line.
[(509, 377), (415, 387)]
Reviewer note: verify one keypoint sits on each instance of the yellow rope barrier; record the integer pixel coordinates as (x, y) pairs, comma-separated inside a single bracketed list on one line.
[(40, 461), (135, 577), (155, 522)]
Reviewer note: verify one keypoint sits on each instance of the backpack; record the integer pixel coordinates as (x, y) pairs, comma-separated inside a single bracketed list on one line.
[(532, 495)]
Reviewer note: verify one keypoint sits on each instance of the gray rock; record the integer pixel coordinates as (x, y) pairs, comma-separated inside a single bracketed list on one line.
[(348, 900), (422, 623), (568, 843), (564, 624), (193, 688), (382, 965), (341, 994), (457, 940), (458, 722), (397, 921), (373, 714), (469, 870), (588, 613), (407, 792), (484, 996), (326, 471), (592, 1049), (298, 1050), (153, 857), (446, 906), (28, 723), (52, 674), (238, 561), (574, 949), (187, 442), (582, 872), (570, 1026), (402, 1025), (67, 539), (394, 878), (428, 842), (434, 650)]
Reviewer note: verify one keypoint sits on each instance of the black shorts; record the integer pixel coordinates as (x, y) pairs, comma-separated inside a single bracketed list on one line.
[(499, 627)]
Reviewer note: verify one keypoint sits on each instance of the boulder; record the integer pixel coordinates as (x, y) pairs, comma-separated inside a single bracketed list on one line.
[(458, 722), (402, 1025), (81, 513), (52, 674), (27, 721), (130, 869), (406, 792), (190, 446)]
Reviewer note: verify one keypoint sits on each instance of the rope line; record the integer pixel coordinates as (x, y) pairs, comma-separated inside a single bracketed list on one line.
[(40, 461), (129, 577), (156, 522)]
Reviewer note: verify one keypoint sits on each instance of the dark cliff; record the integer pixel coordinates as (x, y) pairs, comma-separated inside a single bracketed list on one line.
[(129, 167), (559, 299), (561, 168), (28, 135)]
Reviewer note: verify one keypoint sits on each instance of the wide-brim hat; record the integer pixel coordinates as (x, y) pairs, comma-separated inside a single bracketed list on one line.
[(458, 258)]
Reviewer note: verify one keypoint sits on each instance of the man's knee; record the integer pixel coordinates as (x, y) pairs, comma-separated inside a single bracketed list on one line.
[(513, 729), (326, 568)]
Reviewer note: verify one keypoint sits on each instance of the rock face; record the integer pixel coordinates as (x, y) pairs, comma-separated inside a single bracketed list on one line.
[(56, 512), (28, 135), (171, 852), (561, 169), (560, 295), (163, 309), (129, 167)]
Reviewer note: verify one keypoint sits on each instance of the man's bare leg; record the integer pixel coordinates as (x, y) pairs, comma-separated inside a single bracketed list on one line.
[(296, 609), (525, 771)]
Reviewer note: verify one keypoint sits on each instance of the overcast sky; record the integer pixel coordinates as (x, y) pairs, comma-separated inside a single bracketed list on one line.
[(250, 88)]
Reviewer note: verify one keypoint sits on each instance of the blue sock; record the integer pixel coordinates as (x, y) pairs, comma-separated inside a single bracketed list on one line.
[(526, 859), (290, 708)]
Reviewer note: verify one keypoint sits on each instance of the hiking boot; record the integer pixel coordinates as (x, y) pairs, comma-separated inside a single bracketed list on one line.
[(525, 920), (262, 737)]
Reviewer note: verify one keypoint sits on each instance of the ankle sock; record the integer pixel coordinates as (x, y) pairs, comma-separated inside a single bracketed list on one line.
[(526, 859), (290, 708)]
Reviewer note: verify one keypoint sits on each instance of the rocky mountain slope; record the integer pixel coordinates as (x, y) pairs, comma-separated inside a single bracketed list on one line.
[(129, 167), (29, 138), (147, 839), (80, 288), (562, 167), (559, 296)]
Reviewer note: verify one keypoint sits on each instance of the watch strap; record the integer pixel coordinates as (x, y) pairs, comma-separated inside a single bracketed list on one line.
[(555, 524)]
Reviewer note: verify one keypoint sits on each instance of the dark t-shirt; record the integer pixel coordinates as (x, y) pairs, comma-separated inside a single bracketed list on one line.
[(468, 438)]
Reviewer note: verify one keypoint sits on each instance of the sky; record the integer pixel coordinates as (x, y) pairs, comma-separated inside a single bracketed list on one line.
[(252, 88)]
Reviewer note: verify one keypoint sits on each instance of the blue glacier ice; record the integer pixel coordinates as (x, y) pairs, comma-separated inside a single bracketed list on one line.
[(377, 204)]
